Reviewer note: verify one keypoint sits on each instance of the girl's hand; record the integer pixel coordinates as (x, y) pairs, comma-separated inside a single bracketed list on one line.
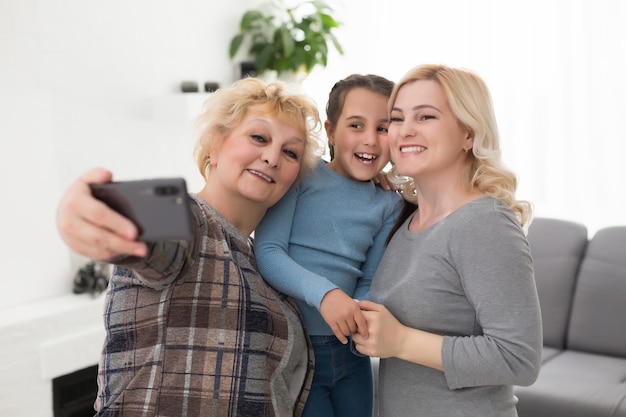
[(343, 315)]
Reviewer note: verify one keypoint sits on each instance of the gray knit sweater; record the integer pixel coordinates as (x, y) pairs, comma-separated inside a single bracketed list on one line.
[(470, 278)]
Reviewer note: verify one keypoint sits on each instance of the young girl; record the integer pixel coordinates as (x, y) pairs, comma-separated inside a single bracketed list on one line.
[(321, 243), (191, 327)]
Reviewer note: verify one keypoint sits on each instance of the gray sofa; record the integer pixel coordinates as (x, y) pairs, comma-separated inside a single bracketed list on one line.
[(582, 291)]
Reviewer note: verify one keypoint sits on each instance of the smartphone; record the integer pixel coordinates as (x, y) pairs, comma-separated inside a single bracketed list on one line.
[(158, 207)]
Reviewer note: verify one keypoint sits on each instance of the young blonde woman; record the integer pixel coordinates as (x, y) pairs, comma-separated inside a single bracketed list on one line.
[(191, 327), (454, 313)]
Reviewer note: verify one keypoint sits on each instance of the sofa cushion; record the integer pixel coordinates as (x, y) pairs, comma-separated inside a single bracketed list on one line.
[(599, 305), (576, 384), (557, 247), (548, 353)]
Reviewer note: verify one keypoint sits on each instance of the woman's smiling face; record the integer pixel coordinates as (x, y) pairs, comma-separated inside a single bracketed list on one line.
[(424, 134), (259, 160)]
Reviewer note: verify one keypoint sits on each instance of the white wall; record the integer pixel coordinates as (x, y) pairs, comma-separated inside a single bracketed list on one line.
[(78, 84), (556, 72), (86, 83)]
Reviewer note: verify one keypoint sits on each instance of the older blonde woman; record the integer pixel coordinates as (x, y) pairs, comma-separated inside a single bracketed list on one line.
[(192, 328)]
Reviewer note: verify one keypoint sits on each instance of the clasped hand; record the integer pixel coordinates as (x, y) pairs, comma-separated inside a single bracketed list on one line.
[(343, 315), (374, 330), (386, 334)]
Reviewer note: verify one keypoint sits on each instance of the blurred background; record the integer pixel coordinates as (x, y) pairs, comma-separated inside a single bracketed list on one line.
[(98, 83)]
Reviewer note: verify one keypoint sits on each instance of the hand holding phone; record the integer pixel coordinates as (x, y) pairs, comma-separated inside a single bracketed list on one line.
[(158, 207)]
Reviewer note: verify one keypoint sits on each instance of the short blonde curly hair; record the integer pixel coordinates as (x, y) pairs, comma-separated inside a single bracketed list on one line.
[(227, 107)]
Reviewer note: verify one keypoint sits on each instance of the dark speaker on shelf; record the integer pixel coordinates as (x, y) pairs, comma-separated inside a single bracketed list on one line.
[(247, 69), (189, 87), (211, 86)]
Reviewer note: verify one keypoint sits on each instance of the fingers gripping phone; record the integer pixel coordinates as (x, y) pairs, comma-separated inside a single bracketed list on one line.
[(158, 207)]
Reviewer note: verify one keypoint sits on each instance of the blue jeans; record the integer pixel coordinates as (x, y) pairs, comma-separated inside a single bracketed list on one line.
[(342, 382)]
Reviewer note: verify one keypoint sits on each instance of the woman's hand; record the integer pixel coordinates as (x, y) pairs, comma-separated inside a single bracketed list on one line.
[(386, 333), (390, 338), (92, 229)]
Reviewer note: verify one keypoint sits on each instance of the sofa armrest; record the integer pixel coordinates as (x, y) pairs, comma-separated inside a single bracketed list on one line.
[(557, 247)]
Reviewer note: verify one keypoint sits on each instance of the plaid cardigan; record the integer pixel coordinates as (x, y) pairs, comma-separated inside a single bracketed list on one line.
[(193, 330)]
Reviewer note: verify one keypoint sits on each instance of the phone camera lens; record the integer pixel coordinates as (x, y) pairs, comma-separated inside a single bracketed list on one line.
[(165, 190)]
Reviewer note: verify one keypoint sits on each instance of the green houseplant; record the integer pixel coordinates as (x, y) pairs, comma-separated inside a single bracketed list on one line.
[(288, 40)]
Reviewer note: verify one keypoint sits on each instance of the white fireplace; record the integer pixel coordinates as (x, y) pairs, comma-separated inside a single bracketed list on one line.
[(43, 340)]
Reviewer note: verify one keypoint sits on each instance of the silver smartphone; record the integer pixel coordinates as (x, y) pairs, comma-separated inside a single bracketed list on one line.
[(158, 207)]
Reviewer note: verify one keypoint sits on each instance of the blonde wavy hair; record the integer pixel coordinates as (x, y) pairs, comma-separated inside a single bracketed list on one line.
[(226, 108), (470, 101)]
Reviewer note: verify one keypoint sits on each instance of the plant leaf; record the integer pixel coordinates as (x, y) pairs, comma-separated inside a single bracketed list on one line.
[(235, 43), (286, 40), (250, 19), (263, 58), (336, 43), (328, 21)]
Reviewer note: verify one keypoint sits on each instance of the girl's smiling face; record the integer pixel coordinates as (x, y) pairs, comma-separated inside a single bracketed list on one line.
[(361, 148)]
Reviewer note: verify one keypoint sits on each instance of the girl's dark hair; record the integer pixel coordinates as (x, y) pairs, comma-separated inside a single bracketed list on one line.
[(337, 96)]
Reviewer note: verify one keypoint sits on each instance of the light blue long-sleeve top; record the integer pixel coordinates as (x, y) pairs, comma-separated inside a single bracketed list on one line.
[(327, 233)]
